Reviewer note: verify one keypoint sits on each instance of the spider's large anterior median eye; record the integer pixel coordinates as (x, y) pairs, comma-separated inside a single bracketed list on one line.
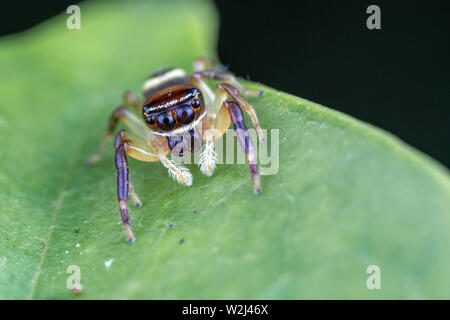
[(166, 122), (185, 114)]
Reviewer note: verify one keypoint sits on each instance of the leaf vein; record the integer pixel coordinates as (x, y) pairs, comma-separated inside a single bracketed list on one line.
[(56, 207)]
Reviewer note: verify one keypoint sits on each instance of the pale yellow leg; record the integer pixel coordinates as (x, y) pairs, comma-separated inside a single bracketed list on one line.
[(132, 121), (134, 195), (150, 152)]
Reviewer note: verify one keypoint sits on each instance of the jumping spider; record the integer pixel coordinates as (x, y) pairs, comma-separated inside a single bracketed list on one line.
[(180, 113)]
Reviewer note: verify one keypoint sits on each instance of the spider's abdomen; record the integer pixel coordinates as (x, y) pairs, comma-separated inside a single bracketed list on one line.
[(163, 79)]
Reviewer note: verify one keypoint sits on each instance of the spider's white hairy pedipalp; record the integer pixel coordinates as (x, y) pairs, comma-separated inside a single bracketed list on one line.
[(208, 158), (178, 171)]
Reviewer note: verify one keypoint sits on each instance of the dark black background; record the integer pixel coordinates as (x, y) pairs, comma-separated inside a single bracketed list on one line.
[(396, 78)]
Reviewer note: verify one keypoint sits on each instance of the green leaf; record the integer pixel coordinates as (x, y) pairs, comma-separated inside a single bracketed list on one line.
[(346, 195)]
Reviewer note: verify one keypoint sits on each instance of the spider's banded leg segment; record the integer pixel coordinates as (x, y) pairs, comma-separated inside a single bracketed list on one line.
[(237, 118), (244, 104), (123, 180), (136, 149), (229, 78)]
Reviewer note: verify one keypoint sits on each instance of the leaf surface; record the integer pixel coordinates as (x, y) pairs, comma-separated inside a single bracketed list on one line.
[(346, 195)]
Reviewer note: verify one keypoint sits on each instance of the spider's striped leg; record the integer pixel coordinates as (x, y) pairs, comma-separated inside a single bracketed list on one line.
[(237, 118), (139, 150), (229, 112), (244, 104), (226, 89), (151, 151), (123, 180)]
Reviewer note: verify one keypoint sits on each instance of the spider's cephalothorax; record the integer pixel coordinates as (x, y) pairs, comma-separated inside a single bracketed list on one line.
[(174, 110), (180, 114)]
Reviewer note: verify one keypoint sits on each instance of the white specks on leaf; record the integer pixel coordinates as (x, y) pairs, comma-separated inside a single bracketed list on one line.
[(108, 263), (3, 263)]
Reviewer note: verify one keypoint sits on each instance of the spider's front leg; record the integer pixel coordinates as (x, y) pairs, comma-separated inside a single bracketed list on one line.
[(149, 151), (139, 150), (231, 87), (237, 119), (123, 181), (228, 111), (231, 112)]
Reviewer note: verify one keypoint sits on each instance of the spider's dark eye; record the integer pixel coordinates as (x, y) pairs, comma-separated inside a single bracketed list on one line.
[(185, 114), (151, 120), (196, 103), (166, 122)]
